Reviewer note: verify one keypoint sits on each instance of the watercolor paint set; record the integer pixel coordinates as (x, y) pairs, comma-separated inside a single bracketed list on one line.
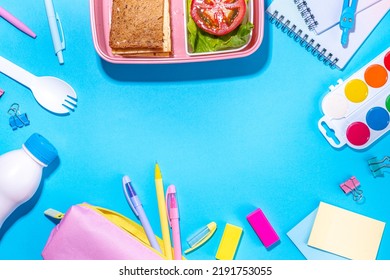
[(357, 110)]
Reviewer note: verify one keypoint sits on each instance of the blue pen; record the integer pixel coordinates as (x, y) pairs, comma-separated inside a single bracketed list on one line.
[(136, 206), (53, 17)]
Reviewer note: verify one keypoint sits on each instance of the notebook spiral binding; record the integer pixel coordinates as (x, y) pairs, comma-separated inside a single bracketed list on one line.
[(303, 39), (306, 14)]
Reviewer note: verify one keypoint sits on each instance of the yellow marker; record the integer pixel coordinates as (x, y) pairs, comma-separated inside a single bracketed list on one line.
[(229, 242), (163, 213)]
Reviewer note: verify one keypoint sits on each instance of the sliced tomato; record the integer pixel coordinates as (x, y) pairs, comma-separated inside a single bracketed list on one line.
[(218, 17)]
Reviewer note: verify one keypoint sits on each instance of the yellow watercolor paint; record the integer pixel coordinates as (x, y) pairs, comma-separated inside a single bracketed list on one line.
[(229, 242), (356, 91)]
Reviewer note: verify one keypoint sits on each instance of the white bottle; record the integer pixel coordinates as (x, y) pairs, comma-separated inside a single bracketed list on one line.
[(21, 172)]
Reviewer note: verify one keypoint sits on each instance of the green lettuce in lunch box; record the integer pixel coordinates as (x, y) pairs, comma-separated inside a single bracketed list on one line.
[(201, 41)]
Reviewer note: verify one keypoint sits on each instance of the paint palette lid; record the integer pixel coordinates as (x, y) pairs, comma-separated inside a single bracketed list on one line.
[(357, 110), (100, 13)]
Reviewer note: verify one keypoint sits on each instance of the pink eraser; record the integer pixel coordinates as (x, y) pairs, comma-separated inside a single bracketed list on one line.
[(262, 227)]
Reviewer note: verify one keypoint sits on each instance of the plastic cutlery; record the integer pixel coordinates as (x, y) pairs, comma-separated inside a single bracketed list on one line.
[(53, 94)]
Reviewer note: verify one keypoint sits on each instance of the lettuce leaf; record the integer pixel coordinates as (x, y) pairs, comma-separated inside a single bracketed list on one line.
[(201, 41)]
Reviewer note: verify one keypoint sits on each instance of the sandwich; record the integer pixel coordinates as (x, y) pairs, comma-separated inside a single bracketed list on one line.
[(140, 28)]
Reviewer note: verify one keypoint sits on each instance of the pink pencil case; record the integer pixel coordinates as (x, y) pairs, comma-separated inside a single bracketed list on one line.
[(89, 232)]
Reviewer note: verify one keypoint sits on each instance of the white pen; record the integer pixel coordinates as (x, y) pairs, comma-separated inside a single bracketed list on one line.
[(52, 16)]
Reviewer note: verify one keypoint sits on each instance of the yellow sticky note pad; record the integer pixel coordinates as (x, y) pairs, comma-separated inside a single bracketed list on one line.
[(346, 233), (229, 242)]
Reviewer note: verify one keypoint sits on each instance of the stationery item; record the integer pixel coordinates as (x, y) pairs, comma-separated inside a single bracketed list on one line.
[(346, 233), (299, 235), (356, 111), (51, 93), (58, 42), (229, 242), (326, 46), (200, 237), (16, 22), (88, 232), (54, 214), (351, 186), (347, 20), (163, 212), (263, 228), (17, 120), (319, 16), (173, 218), (377, 166), (21, 173), (136, 206)]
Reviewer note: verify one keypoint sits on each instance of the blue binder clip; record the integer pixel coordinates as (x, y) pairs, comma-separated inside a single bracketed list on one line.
[(17, 120), (377, 166), (347, 20)]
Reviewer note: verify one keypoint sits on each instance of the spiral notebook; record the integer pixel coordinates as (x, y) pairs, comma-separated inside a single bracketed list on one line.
[(327, 45), (319, 16)]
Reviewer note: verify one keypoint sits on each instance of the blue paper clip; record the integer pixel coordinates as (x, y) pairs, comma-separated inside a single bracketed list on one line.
[(347, 20), (17, 120), (376, 166)]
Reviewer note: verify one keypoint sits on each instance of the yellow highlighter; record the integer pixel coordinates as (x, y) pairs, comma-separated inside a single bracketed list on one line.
[(229, 242), (163, 213)]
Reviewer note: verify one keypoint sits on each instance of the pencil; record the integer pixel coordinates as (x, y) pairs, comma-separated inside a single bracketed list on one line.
[(163, 212)]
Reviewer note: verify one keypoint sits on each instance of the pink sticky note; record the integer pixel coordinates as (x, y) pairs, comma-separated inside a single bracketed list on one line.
[(262, 228)]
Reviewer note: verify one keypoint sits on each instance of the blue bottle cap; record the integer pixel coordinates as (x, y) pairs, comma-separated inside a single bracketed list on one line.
[(41, 148)]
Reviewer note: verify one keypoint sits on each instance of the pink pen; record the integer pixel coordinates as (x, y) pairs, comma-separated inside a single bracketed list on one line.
[(16, 22), (173, 218)]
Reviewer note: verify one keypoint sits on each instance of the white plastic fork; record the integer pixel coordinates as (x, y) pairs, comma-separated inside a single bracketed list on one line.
[(51, 93)]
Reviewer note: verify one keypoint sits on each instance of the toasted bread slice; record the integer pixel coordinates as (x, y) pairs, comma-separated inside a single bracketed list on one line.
[(140, 27)]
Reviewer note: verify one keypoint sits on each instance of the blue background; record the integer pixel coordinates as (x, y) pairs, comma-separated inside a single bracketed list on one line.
[(231, 135)]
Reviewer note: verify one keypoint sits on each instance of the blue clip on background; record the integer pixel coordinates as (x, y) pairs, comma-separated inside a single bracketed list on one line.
[(17, 120)]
